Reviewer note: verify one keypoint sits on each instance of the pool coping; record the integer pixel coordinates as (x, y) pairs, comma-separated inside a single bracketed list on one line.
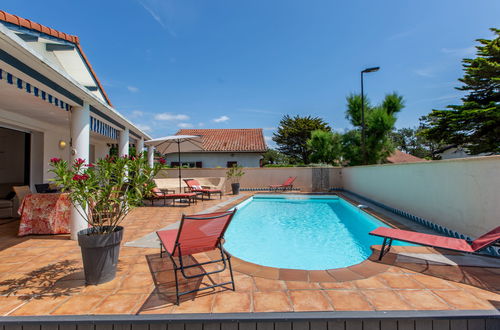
[(362, 270)]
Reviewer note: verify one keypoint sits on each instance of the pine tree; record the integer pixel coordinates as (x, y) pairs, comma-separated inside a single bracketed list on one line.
[(476, 123)]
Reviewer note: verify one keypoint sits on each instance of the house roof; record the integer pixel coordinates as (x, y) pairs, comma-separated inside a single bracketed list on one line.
[(28, 24), (402, 157), (229, 140)]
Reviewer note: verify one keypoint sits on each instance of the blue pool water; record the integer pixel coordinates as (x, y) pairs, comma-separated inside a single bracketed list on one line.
[(301, 232)]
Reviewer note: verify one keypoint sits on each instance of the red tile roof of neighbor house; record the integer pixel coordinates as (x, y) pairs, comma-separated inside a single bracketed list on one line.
[(229, 140), (28, 24), (402, 157)]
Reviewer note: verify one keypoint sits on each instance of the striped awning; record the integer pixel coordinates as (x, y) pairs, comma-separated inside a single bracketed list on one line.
[(9, 78), (102, 128)]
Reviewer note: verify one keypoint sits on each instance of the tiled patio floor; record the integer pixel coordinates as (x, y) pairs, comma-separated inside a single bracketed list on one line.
[(42, 275)]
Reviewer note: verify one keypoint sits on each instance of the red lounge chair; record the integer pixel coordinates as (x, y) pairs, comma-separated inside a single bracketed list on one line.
[(156, 193), (197, 233), (196, 187), (288, 184), (190, 197), (443, 242)]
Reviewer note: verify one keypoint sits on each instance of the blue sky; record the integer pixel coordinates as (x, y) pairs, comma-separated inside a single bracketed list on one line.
[(169, 64)]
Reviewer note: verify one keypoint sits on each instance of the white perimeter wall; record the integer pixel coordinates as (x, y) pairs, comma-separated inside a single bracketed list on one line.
[(460, 194), (218, 159)]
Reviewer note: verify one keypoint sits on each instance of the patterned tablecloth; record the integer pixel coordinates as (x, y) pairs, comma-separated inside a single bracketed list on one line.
[(44, 214)]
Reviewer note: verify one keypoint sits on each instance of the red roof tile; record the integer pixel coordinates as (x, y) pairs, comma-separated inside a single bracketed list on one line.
[(229, 140), (402, 157), (26, 23)]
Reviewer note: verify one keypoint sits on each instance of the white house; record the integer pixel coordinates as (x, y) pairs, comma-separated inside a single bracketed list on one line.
[(224, 148), (52, 104)]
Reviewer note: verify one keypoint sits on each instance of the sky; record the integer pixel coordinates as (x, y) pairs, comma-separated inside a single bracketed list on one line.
[(171, 64)]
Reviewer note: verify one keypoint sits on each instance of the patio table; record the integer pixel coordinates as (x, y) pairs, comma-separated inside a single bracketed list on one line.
[(44, 214)]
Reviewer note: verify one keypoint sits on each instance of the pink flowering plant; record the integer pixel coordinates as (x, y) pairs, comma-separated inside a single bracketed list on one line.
[(108, 189)]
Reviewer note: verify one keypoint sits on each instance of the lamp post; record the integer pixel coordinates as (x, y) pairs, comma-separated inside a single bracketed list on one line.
[(363, 136)]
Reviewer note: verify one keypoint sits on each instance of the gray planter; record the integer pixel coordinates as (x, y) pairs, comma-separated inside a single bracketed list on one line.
[(236, 188), (100, 254)]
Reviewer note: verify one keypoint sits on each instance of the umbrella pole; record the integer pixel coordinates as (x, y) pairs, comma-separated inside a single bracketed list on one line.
[(179, 157)]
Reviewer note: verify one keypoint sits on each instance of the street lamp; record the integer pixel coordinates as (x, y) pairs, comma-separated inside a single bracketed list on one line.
[(363, 136)]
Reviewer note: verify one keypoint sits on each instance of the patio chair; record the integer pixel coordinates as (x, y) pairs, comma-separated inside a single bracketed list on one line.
[(443, 242), (156, 194), (288, 184), (195, 187), (197, 233)]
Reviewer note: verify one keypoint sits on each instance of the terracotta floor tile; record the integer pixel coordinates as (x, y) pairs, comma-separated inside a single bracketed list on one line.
[(348, 300), (396, 281), (242, 282), (368, 268), (370, 283), (7, 304), (232, 302), (433, 282), (309, 300), (423, 300), (107, 287), (268, 272), (271, 302), (337, 285), (294, 275), (344, 274), (462, 300), (264, 284), (385, 300), (320, 276), (79, 305), (137, 283), (200, 304), (301, 285), (42, 306), (120, 304)]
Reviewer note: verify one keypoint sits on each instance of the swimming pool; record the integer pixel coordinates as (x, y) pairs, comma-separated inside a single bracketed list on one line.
[(301, 232)]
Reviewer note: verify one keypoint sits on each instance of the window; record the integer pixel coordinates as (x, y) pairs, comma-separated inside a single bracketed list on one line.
[(231, 164)]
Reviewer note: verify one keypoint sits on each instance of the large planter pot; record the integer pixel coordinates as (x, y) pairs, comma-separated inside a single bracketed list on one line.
[(100, 254), (236, 188)]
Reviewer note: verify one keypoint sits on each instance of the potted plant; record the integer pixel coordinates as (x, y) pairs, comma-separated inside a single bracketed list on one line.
[(104, 193), (234, 174)]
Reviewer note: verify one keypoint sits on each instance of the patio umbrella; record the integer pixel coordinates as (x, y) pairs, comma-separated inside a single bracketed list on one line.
[(174, 143)]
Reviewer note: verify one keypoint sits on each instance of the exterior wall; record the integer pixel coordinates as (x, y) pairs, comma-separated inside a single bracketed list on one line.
[(265, 176), (218, 159), (45, 143), (459, 194)]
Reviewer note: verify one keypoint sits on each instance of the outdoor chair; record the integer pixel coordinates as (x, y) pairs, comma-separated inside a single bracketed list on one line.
[(197, 233), (44, 188), (195, 187), (288, 184), (443, 242)]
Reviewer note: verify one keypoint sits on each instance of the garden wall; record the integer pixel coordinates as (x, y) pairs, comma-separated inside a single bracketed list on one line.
[(308, 178), (460, 194)]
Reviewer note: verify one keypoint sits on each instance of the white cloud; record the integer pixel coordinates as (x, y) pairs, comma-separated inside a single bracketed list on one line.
[(137, 113), (461, 52), (426, 72), (201, 124), (170, 116), (155, 13), (132, 89), (145, 128), (185, 125), (221, 119)]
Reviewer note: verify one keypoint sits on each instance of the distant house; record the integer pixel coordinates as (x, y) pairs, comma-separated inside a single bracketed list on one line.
[(224, 148), (399, 157), (453, 151)]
